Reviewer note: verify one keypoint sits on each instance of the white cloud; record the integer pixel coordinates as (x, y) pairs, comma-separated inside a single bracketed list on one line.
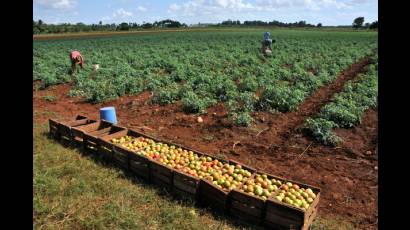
[(174, 7), (274, 3), (56, 4), (334, 3), (105, 19), (361, 1), (121, 13), (304, 4), (201, 7), (141, 9)]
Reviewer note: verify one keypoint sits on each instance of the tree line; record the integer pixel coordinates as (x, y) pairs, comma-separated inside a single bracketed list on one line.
[(39, 27), (272, 23), (357, 23)]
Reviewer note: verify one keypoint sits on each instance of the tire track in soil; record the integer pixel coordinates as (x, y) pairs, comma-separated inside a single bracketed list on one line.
[(286, 124)]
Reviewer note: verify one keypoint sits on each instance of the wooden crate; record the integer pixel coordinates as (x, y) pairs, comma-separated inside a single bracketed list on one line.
[(250, 169), (54, 124), (161, 175), (185, 185), (53, 127), (91, 139), (139, 165), (78, 132), (246, 207), (65, 127), (212, 195), (280, 215)]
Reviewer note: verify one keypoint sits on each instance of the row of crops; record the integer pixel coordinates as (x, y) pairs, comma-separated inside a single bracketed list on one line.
[(346, 108), (203, 68)]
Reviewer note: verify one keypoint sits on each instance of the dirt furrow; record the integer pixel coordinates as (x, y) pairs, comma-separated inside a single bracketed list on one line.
[(285, 124)]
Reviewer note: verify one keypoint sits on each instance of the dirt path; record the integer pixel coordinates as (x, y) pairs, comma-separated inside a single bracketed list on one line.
[(46, 37), (286, 124), (347, 175)]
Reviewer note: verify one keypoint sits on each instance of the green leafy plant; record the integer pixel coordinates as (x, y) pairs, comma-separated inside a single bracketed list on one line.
[(192, 103), (167, 95), (322, 130)]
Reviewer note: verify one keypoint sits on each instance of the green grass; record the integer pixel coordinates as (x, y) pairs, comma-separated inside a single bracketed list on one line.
[(50, 98), (73, 191)]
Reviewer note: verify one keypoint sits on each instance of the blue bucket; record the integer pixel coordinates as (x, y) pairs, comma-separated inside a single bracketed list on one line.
[(108, 114)]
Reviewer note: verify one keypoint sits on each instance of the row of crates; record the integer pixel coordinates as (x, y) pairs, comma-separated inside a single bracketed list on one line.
[(95, 136)]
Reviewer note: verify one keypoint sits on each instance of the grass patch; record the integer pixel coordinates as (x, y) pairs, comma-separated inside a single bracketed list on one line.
[(208, 137), (45, 113), (331, 223), (49, 98)]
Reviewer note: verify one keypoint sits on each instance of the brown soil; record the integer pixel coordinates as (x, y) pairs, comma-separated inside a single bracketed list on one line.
[(79, 35), (347, 174)]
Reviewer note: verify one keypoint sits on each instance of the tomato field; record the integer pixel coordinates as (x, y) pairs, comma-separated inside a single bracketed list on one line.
[(307, 112), (205, 69)]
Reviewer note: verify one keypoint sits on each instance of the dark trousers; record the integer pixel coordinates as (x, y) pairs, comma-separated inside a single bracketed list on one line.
[(73, 68)]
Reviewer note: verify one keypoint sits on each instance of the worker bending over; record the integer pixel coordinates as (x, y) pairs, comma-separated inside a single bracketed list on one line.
[(76, 58)]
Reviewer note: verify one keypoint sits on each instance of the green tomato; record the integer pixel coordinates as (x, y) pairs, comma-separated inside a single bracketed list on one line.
[(305, 195), (258, 191), (227, 184), (221, 181), (288, 200)]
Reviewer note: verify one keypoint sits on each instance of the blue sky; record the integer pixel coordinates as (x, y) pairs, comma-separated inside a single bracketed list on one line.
[(328, 12)]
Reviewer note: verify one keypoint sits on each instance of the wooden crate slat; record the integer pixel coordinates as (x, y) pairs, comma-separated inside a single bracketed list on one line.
[(161, 180), (185, 187), (183, 194), (250, 210), (248, 199), (245, 217), (284, 222)]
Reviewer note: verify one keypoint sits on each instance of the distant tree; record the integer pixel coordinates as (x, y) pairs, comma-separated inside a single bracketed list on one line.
[(147, 25), (123, 26), (36, 30), (374, 25), (319, 25), (358, 22), (40, 22), (227, 22), (367, 25), (100, 23)]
